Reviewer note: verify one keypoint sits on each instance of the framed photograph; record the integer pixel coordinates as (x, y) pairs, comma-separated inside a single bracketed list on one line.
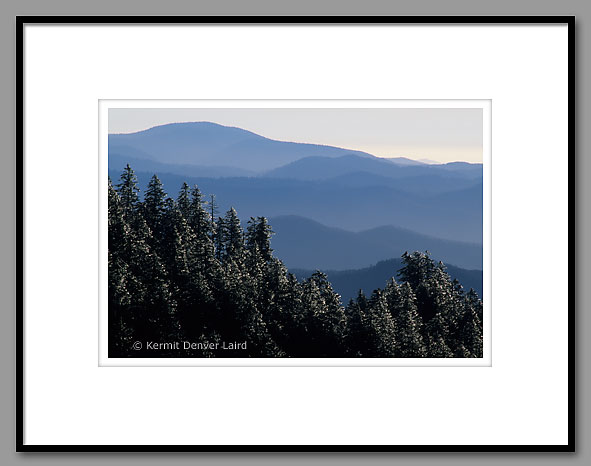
[(311, 234), (295, 253)]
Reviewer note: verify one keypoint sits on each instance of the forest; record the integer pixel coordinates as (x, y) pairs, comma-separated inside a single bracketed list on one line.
[(180, 272)]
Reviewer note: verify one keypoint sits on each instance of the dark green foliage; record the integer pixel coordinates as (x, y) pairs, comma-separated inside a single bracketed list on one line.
[(259, 236), (233, 238), (403, 308), (128, 191), (324, 318), (184, 201), (179, 275), (381, 326)]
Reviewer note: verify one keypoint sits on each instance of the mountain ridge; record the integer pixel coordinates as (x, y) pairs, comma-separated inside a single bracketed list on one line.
[(456, 218), (347, 283), (303, 243), (207, 143)]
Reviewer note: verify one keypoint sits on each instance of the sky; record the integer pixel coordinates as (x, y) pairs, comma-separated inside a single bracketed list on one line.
[(435, 134)]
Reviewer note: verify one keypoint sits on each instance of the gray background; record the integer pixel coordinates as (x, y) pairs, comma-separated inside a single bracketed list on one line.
[(8, 256)]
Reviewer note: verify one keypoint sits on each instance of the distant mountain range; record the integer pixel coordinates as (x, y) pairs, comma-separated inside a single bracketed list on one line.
[(455, 215), (348, 282), (209, 144), (305, 244), (208, 149), (147, 165), (319, 168), (394, 204)]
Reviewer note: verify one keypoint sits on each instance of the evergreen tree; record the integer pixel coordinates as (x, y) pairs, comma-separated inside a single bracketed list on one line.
[(128, 191), (354, 331), (470, 332), (118, 229), (219, 238), (290, 316), (213, 211), (198, 217), (259, 235), (382, 341), (401, 303), (358, 334), (325, 323), (233, 238), (155, 204), (119, 296), (417, 268), (184, 201), (475, 302), (186, 265), (119, 299)]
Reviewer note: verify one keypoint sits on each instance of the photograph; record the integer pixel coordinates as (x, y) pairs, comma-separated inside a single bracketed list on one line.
[(295, 232), (257, 223)]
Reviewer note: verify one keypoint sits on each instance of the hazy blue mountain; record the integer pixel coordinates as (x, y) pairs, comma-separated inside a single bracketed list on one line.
[(305, 244), (404, 161), (429, 161), (117, 162), (350, 190), (319, 168), (210, 144), (422, 185), (348, 282), (454, 215)]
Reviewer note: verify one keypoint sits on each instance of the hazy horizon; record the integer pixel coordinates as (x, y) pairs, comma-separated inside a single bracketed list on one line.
[(439, 135)]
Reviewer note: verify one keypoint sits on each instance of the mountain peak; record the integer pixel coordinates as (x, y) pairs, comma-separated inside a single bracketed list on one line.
[(206, 143)]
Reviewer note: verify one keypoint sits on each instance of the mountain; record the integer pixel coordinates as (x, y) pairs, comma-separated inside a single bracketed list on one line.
[(319, 168), (348, 282), (305, 244), (117, 162), (429, 161), (337, 187), (210, 144), (404, 161), (422, 185), (455, 216)]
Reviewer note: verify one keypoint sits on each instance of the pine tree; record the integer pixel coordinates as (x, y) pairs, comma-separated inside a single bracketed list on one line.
[(258, 235), (383, 327), (239, 317), (438, 336), (219, 238), (119, 296), (417, 268), (401, 303), (155, 202), (326, 318), (198, 217), (233, 238), (119, 299), (118, 229), (151, 311), (184, 201), (185, 263), (290, 317), (128, 191), (358, 333), (475, 302), (470, 332), (213, 211)]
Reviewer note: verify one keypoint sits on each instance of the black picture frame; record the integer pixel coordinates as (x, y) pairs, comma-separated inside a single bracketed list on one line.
[(22, 21)]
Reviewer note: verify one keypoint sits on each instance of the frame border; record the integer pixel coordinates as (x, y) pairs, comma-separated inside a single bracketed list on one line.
[(21, 21)]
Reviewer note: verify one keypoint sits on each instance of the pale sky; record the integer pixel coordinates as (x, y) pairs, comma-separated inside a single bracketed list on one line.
[(437, 134)]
